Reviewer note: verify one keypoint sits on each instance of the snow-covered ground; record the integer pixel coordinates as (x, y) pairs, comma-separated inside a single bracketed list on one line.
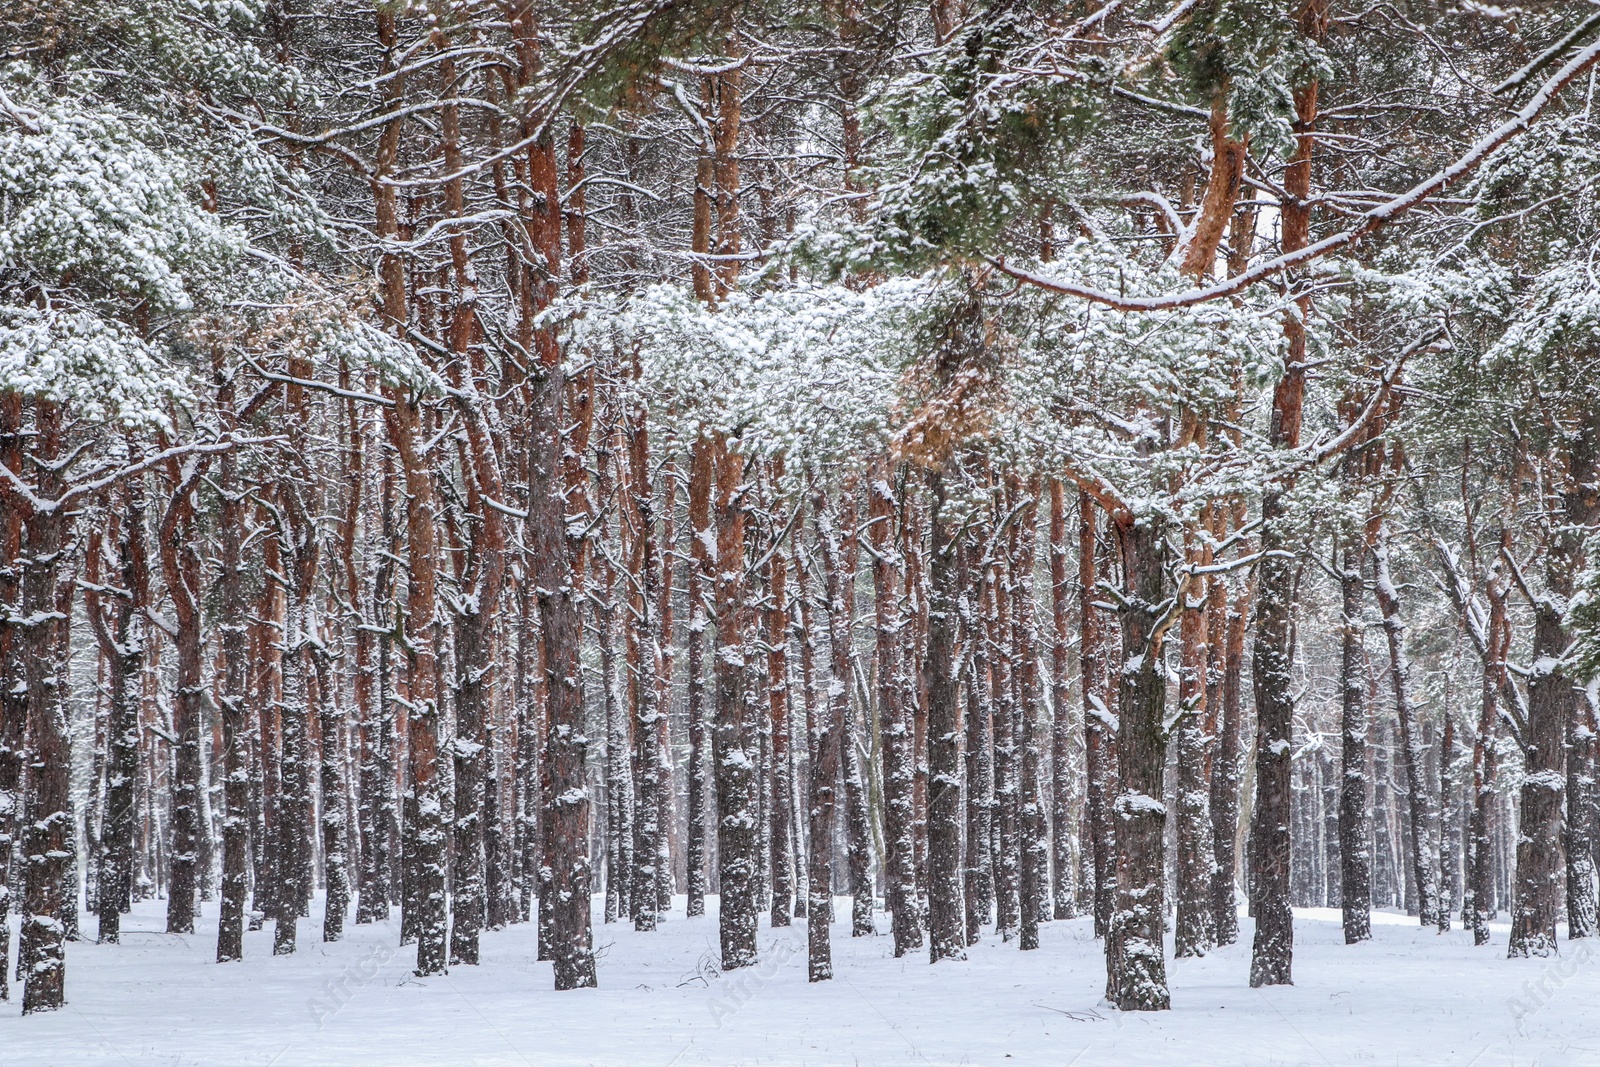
[(1410, 996)]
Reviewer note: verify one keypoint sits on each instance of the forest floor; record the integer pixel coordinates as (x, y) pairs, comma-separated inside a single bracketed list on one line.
[(1410, 996)]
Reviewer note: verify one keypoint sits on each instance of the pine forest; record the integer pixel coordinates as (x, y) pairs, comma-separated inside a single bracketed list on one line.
[(717, 505)]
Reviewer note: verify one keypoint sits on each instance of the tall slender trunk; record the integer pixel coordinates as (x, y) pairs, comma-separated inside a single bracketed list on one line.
[(180, 562), (814, 703), (1485, 791), (618, 761), (122, 640), (425, 869), (231, 607), (733, 737), (300, 646), (780, 808), (1195, 928), (701, 541), (826, 729), (1449, 835), (857, 827), (47, 811), (266, 652), (377, 887), (1006, 830), (1355, 815), (529, 696), (668, 838), (898, 813), (565, 895), (1063, 798), (480, 579), (650, 754), (13, 689), (1033, 849), (1134, 944), (1272, 952), (1423, 817), (947, 935), (1099, 725), (1227, 771), (371, 835), (335, 821), (979, 869)]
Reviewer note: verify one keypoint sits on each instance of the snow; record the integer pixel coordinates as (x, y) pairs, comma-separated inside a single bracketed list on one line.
[(1409, 996)]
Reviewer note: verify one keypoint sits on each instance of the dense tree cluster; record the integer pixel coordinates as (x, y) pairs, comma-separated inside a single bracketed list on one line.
[(991, 460)]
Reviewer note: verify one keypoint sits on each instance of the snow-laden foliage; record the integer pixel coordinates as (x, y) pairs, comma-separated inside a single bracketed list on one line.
[(1583, 616), (1561, 311), (810, 372), (97, 367), (1115, 395), (967, 146), (90, 204)]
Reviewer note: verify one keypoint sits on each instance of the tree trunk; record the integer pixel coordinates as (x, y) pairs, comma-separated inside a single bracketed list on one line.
[(1134, 946), (13, 688), (1540, 860), (1355, 815), (425, 869), (893, 728), (122, 640), (979, 869), (1063, 802), (1033, 848), (733, 738), (1448, 834), (1272, 953), (701, 539), (47, 818), (780, 813), (1195, 929), (650, 757), (335, 823), (947, 935), (1006, 828), (1422, 817), (180, 561), (1099, 725), (1225, 772), (618, 843), (1485, 791), (858, 832), (826, 729), (235, 717), (815, 710)]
